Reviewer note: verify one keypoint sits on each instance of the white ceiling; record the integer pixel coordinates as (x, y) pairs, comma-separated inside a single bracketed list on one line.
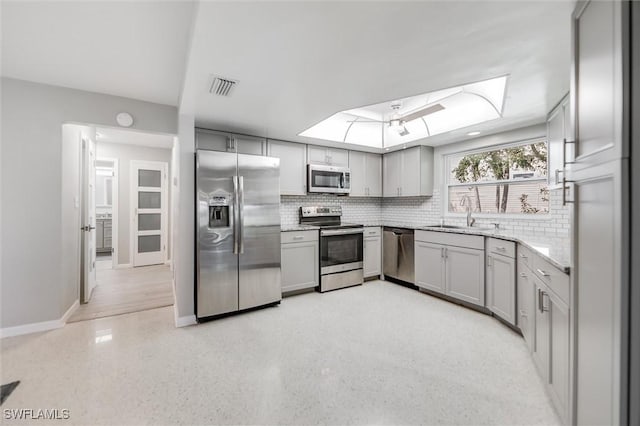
[(300, 62), (133, 137), (135, 49)]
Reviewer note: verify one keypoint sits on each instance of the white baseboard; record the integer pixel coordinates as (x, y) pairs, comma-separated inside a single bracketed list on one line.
[(35, 327), (186, 321), (123, 266), (39, 326), (70, 311)]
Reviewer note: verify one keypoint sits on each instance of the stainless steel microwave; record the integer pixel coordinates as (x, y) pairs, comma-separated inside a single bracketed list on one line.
[(328, 179)]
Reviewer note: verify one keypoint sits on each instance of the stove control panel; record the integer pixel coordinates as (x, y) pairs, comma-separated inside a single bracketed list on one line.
[(317, 211)]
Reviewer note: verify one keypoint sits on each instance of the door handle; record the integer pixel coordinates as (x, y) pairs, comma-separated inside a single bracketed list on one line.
[(87, 228), (241, 213), (235, 214), (543, 273)]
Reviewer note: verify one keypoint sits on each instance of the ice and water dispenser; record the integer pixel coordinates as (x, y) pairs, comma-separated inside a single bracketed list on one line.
[(219, 211)]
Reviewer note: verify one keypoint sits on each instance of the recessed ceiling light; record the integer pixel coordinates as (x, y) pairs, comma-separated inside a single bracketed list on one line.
[(476, 133)]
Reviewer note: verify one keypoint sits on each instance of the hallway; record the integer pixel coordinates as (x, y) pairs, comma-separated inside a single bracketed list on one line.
[(121, 291)]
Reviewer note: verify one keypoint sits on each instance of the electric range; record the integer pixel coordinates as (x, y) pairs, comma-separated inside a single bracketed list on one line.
[(341, 247)]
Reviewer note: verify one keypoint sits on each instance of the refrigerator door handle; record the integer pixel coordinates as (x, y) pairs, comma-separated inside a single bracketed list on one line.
[(241, 213), (235, 214)]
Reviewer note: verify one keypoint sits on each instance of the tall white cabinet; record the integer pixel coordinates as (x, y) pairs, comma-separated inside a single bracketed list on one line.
[(599, 188)]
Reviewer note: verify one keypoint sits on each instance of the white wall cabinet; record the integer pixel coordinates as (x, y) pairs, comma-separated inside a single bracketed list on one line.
[(327, 156), (408, 172), (229, 142), (293, 166), (300, 260), (451, 264), (559, 130), (501, 279), (372, 255), (366, 174)]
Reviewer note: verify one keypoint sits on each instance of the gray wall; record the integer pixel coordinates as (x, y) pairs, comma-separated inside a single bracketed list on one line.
[(124, 154), (35, 286), (184, 256)]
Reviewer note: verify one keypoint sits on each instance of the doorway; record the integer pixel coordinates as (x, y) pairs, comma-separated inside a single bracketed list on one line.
[(125, 222)]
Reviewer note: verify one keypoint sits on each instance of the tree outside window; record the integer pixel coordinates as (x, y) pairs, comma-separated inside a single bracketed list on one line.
[(511, 179)]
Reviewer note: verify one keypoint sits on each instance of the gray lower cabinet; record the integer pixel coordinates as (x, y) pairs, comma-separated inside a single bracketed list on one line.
[(501, 279), (526, 305), (454, 270), (372, 255), (103, 235), (300, 259), (293, 166), (465, 274), (429, 265)]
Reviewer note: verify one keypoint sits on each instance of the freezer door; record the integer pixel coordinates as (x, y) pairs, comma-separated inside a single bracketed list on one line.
[(216, 260), (259, 245)]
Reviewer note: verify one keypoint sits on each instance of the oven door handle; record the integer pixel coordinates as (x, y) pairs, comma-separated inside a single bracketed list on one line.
[(329, 233)]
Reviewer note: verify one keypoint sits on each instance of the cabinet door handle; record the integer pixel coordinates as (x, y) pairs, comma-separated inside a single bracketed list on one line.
[(543, 273), (523, 275), (489, 263), (501, 248), (298, 237), (540, 300), (523, 256), (442, 252)]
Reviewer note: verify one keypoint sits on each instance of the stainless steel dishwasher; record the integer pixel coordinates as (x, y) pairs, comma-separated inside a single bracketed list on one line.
[(397, 258)]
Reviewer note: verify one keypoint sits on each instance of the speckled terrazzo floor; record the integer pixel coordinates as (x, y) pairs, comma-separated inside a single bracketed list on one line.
[(373, 354)]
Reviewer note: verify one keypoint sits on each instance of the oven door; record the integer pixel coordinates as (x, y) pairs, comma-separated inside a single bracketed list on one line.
[(340, 250), (327, 179)]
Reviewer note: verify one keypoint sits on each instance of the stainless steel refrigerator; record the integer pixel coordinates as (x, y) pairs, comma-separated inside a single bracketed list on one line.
[(238, 232)]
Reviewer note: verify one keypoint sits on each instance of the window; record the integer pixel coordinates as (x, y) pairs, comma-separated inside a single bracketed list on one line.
[(511, 179)]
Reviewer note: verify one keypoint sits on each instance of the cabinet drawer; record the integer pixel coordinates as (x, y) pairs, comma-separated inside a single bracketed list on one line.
[(502, 247), (555, 279), (298, 236), (451, 239), (525, 257), (372, 231)]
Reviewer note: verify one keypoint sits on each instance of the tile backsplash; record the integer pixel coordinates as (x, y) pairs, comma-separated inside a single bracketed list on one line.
[(420, 211)]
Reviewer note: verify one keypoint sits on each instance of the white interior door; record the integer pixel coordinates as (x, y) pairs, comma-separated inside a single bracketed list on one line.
[(88, 218), (149, 201)]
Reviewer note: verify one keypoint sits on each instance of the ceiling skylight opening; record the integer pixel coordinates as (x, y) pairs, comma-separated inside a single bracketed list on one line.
[(406, 120)]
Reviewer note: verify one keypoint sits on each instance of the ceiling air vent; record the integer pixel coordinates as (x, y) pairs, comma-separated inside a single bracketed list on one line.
[(222, 86)]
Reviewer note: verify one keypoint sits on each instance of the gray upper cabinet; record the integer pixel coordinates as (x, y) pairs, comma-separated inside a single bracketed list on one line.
[(293, 166), (327, 156), (408, 172), (222, 141), (598, 80), (366, 174), (559, 132)]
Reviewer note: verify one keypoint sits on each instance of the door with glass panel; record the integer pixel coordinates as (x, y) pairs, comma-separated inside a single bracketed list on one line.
[(149, 201)]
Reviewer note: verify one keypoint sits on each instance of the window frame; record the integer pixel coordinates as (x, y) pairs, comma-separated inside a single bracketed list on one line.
[(447, 161)]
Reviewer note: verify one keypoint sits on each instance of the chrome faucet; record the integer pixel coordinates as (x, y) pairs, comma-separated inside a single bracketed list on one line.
[(466, 201)]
